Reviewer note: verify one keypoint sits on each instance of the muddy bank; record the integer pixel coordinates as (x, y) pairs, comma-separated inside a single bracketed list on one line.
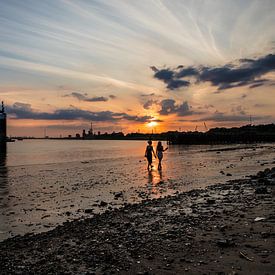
[(223, 229)]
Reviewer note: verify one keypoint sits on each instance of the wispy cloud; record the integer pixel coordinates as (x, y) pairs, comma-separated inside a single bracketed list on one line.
[(107, 46)]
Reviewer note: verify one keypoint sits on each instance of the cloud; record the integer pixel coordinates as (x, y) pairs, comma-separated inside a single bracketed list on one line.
[(24, 111), (260, 105), (84, 97), (258, 83), (149, 103), (238, 110), (223, 117), (176, 84), (147, 95), (169, 106), (170, 78), (112, 96), (165, 74), (188, 71), (247, 72)]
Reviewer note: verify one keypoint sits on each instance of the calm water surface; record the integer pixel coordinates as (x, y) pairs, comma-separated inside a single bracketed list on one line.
[(46, 182)]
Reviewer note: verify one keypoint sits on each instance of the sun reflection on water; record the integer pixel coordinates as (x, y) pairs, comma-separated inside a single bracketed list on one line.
[(155, 182)]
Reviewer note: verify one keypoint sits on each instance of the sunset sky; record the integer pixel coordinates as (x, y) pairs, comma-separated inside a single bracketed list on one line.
[(136, 65)]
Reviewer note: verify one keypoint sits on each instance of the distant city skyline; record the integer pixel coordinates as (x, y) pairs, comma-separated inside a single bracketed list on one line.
[(136, 65)]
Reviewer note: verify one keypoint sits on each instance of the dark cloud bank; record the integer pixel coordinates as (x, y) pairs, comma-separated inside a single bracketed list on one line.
[(25, 111), (247, 72)]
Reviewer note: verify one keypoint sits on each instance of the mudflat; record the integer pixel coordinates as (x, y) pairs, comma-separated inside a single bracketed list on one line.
[(223, 229)]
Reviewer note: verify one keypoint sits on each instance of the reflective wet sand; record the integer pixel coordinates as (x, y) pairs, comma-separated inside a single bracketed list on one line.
[(44, 183)]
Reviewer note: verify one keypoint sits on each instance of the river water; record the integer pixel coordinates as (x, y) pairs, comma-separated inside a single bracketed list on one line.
[(44, 183)]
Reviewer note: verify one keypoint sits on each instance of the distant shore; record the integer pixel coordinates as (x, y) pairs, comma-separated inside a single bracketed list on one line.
[(244, 134), (225, 229)]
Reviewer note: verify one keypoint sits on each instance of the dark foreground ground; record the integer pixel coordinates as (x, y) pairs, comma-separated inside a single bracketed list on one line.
[(224, 229)]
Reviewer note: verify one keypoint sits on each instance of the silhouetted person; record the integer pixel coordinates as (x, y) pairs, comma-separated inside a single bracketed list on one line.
[(160, 151), (149, 154)]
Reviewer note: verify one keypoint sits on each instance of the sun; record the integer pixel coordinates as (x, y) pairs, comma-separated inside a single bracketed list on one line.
[(152, 124)]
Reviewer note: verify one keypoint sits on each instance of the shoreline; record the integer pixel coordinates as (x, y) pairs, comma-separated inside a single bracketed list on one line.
[(226, 228)]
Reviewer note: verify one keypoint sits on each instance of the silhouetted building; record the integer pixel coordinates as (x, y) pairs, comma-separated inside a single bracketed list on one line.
[(3, 124), (89, 134)]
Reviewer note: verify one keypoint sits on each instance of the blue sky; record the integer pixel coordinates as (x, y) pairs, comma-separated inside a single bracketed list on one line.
[(57, 57)]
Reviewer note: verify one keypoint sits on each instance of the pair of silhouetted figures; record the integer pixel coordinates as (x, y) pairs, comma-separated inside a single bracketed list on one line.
[(149, 152)]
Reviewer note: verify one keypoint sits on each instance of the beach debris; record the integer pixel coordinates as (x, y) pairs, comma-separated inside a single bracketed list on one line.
[(242, 255), (258, 219)]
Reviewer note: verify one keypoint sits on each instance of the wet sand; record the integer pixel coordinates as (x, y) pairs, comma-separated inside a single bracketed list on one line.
[(223, 229), (40, 195)]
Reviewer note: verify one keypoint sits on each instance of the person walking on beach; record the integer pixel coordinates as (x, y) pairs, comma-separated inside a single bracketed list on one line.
[(149, 154), (160, 151)]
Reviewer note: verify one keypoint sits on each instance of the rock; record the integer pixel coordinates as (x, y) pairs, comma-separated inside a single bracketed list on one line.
[(103, 204), (211, 201), (265, 261), (88, 211), (229, 175), (225, 243), (267, 171), (236, 187), (261, 174), (223, 227), (263, 181), (265, 235), (258, 219), (118, 195), (261, 190)]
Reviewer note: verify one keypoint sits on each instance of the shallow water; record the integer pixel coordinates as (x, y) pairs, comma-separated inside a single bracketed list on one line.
[(46, 182)]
